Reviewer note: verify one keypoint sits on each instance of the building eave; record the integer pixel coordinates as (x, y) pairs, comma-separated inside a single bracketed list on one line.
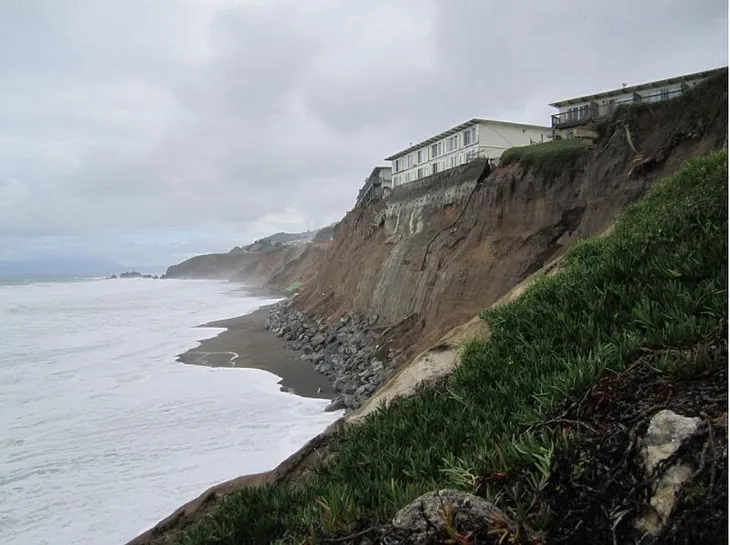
[(459, 128), (639, 87)]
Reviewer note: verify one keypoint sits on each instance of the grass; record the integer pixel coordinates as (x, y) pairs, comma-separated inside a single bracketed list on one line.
[(549, 158), (659, 280)]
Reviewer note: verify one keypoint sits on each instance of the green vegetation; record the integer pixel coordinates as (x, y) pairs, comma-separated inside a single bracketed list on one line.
[(294, 287), (659, 280), (549, 158), (706, 99)]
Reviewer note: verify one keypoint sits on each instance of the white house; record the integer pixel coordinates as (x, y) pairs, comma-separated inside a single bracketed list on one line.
[(459, 145), (578, 111)]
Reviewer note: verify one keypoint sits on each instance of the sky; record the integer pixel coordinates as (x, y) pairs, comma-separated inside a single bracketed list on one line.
[(150, 131)]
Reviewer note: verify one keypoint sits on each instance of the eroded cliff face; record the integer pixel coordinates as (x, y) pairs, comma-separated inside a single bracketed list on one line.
[(277, 268), (433, 256)]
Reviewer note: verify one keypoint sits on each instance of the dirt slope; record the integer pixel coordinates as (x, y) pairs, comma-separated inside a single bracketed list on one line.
[(511, 225)]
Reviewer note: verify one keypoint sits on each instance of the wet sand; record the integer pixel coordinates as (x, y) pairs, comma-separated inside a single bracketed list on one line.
[(247, 345)]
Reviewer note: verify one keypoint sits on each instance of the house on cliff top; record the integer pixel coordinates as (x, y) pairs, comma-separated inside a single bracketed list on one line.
[(574, 113), (458, 145), (376, 186)]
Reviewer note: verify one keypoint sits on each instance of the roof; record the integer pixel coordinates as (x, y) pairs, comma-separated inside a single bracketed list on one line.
[(377, 170), (640, 87), (458, 128)]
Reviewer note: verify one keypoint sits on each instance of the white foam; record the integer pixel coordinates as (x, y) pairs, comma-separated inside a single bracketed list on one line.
[(102, 432)]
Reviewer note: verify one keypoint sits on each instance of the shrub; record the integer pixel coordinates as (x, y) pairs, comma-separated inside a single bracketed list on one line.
[(549, 158)]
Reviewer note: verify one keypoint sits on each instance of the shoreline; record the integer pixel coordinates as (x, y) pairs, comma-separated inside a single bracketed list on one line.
[(245, 344)]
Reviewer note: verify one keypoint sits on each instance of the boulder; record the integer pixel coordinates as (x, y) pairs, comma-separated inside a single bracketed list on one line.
[(365, 390), (432, 517), (337, 405), (318, 340), (666, 433)]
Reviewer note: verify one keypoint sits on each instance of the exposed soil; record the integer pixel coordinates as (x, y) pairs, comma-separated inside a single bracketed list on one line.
[(407, 258)]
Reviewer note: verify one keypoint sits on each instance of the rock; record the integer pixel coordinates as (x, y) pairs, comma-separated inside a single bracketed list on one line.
[(666, 433), (351, 402), (342, 351), (337, 405), (426, 519), (365, 390)]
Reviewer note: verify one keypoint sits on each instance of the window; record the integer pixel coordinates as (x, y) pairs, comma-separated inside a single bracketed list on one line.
[(449, 145), (441, 149), (409, 160), (664, 95), (434, 151), (396, 180), (420, 157), (452, 143), (407, 178), (397, 165), (419, 173), (434, 168), (470, 136), (452, 162)]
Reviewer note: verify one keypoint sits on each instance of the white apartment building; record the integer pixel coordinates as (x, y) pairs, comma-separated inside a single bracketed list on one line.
[(578, 111), (475, 138)]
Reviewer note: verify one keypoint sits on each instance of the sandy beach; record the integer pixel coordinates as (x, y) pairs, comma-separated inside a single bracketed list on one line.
[(246, 344)]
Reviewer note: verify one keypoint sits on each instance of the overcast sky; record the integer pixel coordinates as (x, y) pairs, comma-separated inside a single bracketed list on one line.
[(147, 131)]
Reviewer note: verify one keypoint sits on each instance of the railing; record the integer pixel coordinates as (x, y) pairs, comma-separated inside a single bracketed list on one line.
[(369, 193), (596, 112)]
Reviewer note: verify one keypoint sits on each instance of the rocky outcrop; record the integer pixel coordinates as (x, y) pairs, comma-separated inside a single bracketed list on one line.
[(345, 351), (135, 274)]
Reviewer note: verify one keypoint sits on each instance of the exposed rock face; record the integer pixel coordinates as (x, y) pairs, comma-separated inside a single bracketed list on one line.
[(666, 434), (345, 351), (435, 516), (442, 249)]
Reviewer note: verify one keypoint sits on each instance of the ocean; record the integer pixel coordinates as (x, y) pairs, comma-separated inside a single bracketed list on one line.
[(102, 432)]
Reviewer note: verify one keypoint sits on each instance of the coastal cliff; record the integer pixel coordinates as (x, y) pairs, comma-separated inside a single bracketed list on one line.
[(276, 267), (439, 251), (547, 388)]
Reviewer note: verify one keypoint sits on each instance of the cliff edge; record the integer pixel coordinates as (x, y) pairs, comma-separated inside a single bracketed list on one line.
[(543, 404)]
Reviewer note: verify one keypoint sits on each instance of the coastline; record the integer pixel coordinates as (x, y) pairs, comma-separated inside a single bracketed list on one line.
[(246, 344)]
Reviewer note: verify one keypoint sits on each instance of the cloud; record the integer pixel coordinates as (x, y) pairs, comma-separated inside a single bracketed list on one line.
[(126, 126)]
